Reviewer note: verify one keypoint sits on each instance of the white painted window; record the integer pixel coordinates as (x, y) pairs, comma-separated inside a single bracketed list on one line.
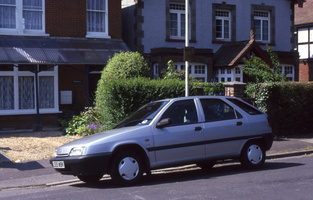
[(305, 43), (97, 19), (197, 70), (222, 25), (18, 91), (229, 74), (156, 71), (262, 26), (177, 21), (22, 17), (288, 71)]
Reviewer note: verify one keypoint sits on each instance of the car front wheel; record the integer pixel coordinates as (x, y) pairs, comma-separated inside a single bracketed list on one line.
[(253, 155), (126, 168)]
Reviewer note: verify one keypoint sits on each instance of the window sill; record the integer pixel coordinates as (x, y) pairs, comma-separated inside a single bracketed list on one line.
[(30, 112), (14, 33), (98, 35), (221, 41), (179, 40)]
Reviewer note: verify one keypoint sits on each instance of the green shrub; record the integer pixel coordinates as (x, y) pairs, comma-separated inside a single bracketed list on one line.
[(126, 65), (214, 89), (87, 123), (118, 98), (288, 105)]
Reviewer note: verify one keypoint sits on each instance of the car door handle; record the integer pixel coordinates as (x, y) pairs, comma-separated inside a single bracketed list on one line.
[(198, 128), (239, 123)]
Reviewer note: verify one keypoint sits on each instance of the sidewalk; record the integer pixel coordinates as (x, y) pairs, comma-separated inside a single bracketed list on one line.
[(41, 174)]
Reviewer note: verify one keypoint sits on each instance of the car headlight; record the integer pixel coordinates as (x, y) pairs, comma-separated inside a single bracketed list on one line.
[(78, 151)]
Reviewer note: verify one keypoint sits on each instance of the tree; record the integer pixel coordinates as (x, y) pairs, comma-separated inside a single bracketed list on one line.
[(260, 72)]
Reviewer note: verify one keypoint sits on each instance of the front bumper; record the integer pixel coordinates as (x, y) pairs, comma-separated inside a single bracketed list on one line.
[(84, 165)]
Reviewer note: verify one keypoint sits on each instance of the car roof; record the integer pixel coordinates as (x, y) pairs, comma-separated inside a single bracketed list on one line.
[(198, 97)]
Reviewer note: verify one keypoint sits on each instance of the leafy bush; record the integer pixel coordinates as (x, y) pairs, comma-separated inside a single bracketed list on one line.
[(87, 123), (126, 65)]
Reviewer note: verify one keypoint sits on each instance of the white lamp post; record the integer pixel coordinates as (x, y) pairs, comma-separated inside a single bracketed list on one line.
[(186, 45)]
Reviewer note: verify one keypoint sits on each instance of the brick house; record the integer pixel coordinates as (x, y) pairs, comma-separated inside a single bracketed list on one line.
[(220, 34), (304, 31), (51, 56)]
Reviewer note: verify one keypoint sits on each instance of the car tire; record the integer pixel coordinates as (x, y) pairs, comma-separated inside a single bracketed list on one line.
[(253, 155), (89, 178), (206, 165), (126, 168)]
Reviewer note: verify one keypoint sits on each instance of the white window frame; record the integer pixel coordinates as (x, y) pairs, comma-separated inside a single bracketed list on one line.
[(229, 74), (223, 19), (305, 42), (19, 22), (180, 18), (193, 71), (289, 76), (16, 74), (104, 34), (156, 71), (262, 19)]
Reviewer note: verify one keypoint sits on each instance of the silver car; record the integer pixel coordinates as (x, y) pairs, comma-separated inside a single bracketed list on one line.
[(170, 132)]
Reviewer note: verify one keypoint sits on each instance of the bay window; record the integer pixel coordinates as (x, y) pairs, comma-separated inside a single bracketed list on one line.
[(197, 70), (18, 90)]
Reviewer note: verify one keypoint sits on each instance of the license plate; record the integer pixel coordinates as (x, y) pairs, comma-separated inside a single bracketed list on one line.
[(58, 164)]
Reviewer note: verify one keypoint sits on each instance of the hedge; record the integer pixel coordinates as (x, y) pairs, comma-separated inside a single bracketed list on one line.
[(117, 98), (289, 106)]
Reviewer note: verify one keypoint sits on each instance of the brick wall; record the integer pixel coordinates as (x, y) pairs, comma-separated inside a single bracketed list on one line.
[(115, 19), (66, 18), (73, 78), (8, 122), (304, 72)]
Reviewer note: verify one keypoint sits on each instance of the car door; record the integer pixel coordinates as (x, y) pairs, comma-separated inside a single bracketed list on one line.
[(224, 128), (182, 139)]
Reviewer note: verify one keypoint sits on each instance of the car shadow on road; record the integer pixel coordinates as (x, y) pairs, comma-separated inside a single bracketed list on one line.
[(190, 174), (32, 165)]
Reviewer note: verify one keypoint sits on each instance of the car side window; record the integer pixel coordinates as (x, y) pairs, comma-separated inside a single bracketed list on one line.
[(217, 110), (181, 112)]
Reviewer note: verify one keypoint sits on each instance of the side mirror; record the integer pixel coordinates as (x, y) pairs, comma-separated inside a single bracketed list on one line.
[(163, 123)]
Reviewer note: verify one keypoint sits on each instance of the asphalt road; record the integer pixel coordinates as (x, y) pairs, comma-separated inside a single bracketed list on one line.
[(288, 178)]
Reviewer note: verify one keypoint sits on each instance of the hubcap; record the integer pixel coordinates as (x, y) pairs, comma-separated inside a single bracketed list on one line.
[(255, 154), (128, 168)]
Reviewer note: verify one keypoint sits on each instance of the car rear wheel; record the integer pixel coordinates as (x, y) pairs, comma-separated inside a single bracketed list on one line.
[(89, 178), (126, 168), (253, 155)]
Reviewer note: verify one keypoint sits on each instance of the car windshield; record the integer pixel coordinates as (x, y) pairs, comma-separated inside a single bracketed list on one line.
[(143, 115)]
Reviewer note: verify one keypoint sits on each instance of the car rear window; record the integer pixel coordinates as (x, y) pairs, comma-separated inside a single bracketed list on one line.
[(245, 106)]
